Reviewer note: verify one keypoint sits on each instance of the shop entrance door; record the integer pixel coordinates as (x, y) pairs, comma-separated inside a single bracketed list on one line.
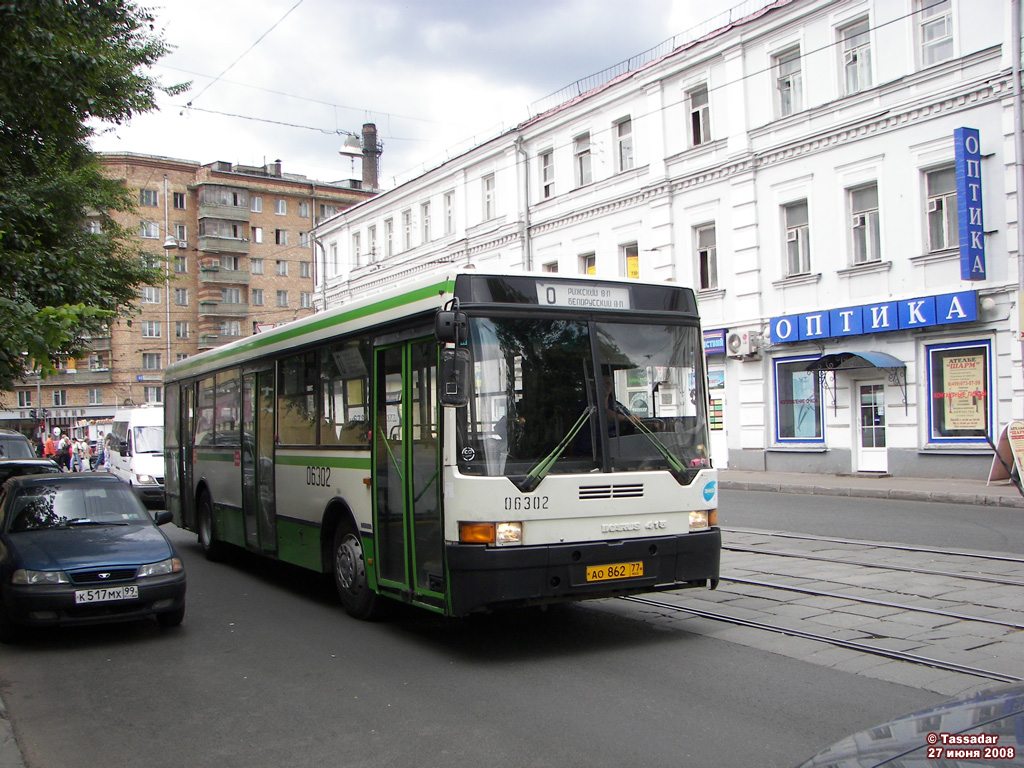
[(872, 455)]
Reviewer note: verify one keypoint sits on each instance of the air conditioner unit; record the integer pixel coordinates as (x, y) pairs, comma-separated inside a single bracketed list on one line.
[(183, 243), (742, 344)]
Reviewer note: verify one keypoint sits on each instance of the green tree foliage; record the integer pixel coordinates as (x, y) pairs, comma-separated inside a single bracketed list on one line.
[(65, 63)]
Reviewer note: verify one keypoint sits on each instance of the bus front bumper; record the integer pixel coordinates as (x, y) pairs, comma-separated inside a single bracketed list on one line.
[(482, 578)]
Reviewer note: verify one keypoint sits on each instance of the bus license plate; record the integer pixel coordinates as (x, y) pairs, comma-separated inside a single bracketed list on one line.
[(106, 594), (615, 571)]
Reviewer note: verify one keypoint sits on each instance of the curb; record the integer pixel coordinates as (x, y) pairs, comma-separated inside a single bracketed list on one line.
[(896, 494)]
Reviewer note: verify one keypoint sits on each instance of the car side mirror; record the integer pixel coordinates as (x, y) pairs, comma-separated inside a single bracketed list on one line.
[(453, 380), (163, 517)]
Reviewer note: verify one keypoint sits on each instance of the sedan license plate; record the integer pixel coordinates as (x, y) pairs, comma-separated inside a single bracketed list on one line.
[(106, 594), (615, 571)]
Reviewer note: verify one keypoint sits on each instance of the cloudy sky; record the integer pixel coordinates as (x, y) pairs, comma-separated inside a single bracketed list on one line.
[(432, 74)]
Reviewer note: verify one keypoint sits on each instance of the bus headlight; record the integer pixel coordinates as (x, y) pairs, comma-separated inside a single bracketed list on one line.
[(699, 519), (492, 534)]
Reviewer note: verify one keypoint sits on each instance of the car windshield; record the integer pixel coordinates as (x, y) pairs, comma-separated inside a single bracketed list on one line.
[(15, 449), (7, 472), (149, 439), (39, 507), (564, 396)]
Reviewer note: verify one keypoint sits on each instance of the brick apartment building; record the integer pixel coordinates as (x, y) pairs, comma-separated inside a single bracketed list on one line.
[(239, 257)]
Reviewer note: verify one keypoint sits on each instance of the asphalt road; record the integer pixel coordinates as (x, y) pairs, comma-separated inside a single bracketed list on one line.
[(919, 523), (268, 671)]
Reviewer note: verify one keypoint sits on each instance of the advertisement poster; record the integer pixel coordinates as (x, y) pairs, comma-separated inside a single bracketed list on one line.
[(964, 388)]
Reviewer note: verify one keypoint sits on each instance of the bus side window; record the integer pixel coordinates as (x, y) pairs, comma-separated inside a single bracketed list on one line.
[(344, 380), (296, 399)]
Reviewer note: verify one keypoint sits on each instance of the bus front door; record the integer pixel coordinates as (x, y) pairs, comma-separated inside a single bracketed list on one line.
[(407, 473), (258, 507)]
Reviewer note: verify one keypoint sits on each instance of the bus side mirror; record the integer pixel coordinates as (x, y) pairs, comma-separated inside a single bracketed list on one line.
[(451, 327), (454, 378)]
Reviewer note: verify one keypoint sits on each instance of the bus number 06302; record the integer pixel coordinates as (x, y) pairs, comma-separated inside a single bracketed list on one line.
[(514, 503), (320, 476)]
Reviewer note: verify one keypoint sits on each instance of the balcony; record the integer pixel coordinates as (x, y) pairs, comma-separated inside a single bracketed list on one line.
[(215, 274), (230, 212), (82, 376), (222, 309), (215, 244)]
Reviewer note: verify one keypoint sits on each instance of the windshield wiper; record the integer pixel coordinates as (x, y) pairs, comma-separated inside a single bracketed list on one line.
[(683, 474), (87, 521), (533, 478)]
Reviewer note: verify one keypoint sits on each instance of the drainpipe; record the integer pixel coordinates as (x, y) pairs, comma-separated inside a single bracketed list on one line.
[(525, 197), (1018, 146)]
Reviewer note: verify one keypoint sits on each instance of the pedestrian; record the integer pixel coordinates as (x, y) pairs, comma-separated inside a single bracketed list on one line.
[(64, 453), (76, 455), (50, 448), (100, 451)]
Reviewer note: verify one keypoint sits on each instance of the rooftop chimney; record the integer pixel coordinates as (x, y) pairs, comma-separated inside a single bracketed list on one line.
[(371, 153)]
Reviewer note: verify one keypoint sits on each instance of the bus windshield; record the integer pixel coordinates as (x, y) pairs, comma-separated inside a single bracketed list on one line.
[(569, 396)]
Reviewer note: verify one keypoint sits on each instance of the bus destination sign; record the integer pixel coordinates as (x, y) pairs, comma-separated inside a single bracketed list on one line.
[(582, 296)]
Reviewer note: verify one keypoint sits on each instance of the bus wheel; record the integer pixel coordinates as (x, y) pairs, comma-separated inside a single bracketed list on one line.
[(356, 596), (213, 549)]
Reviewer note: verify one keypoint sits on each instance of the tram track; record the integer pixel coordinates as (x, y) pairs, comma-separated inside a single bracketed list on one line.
[(753, 594), (854, 645)]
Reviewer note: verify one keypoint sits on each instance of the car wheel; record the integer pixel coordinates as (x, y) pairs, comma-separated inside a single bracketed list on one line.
[(213, 549), (358, 599), (171, 618)]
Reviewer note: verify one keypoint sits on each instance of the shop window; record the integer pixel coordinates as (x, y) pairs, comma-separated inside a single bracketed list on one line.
[(959, 389), (799, 416)]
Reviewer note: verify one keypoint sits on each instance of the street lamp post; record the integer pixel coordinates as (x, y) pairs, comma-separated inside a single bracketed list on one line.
[(170, 243)]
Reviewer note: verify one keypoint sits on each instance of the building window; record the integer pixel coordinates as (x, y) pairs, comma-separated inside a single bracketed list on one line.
[(256, 266), (257, 234), (179, 356), (98, 361), (256, 204), (624, 144), (151, 329), (257, 297), (700, 116), (371, 236), (304, 209), (449, 213), (389, 237), (334, 258), (960, 386), (425, 222), (864, 224), (282, 298), (547, 174), (798, 411), (707, 257), (60, 397), (229, 263), (304, 239), (149, 230), (588, 264), (357, 246), (281, 236), (798, 242), (788, 82), (936, 18), (406, 230), (181, 329), (151, 361), (581, 160), (326, 211), (231, 295), (280, 207), (490, 208), (149, 197), (630, 260), (150, 295), (305, 300), (179, 201), (943, 222), (281, 268), (94, 227), (551, 266), (24, 398), (305, 269), (95, 396), (856, 54), (181, 297), (154, 395), (230, 328)]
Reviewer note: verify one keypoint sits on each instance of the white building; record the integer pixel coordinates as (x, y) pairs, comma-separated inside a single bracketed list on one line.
[(797, 168)]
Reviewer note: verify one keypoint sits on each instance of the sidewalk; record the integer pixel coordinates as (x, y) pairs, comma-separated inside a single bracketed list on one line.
[(944, 490)]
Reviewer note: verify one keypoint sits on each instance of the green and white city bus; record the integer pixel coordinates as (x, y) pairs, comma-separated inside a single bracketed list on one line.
[(460, 444)]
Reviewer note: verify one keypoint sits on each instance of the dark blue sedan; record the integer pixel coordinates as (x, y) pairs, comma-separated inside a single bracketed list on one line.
[(82, 549)]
